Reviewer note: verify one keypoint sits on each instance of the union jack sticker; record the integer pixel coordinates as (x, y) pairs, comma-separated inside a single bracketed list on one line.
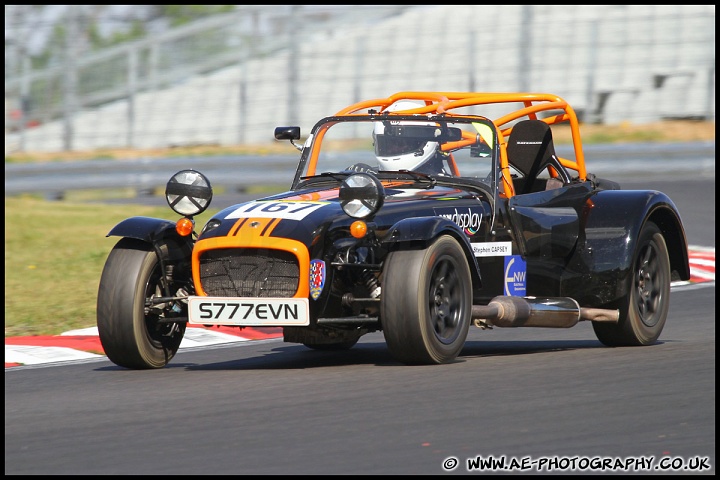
[(317, 278)]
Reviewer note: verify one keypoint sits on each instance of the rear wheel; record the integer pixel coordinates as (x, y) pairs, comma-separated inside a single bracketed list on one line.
[(131, 333), (643, 313), (426, 302)]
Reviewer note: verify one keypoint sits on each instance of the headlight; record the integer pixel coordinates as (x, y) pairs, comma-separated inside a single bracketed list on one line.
[(188, 193), (361, 195), (212, 224)]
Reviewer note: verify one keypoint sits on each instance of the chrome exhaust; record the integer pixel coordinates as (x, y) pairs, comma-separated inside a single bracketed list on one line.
[(556, 312)]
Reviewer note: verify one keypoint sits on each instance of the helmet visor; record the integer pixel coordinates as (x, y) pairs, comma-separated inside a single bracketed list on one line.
[(390, 146)]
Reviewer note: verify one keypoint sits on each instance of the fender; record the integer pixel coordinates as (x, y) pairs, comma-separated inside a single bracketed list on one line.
[(146, 229), (605, 253), (424, 229), (157, 232)]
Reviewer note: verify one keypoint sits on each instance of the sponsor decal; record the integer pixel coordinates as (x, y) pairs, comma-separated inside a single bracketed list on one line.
[(492, 249), (317, 278), (468, 219), (515, 276), (284, 209)]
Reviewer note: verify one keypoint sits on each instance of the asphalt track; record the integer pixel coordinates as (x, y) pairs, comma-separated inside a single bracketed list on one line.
[(258, 406)]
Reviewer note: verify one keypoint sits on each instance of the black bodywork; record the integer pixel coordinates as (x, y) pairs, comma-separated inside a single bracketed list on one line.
[(543, 256)]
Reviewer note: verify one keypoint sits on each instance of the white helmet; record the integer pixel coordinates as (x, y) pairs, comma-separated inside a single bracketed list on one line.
[(402, 152)]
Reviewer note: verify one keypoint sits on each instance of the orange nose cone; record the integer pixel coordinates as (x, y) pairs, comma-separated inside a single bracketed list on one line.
[(184, 226), (358, 229)]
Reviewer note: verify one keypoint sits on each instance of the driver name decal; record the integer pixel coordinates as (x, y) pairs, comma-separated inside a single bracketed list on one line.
[(285, 209), (468, 219), (492, 249)]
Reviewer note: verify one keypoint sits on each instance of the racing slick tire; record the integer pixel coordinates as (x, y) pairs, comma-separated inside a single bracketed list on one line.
[(426, 303), (131, 335), (645, 309)]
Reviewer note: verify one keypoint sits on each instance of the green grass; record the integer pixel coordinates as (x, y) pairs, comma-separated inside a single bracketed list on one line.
[(54, 255), (630, 137)]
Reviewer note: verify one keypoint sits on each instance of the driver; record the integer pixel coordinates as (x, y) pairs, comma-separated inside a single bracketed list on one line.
[(405, 153)]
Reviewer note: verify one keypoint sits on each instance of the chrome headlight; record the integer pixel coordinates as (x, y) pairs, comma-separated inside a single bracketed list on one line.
[(361, 195), (188, 193)]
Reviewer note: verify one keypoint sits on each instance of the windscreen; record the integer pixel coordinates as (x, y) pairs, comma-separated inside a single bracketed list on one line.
[(465, 147)]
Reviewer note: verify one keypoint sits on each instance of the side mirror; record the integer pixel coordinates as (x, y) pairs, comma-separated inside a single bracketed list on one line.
[(287, 133), (454, 134)]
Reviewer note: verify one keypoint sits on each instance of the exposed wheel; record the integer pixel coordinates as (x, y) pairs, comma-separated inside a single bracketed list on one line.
[(426, 303), (130, 332), (645, 309)]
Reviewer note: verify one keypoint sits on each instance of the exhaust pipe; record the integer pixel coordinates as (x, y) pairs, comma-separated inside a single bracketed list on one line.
[(556, 312)]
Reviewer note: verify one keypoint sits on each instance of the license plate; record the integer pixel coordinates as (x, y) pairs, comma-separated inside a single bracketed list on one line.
[(249, 312)]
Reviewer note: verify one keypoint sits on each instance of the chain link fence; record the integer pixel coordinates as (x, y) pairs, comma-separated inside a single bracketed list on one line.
[(231, 78)]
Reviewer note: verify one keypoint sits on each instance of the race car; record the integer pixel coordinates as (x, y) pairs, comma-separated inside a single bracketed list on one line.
[(413, 215)]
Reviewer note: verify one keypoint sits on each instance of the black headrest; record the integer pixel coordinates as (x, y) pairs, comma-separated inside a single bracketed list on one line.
[(530, 147)]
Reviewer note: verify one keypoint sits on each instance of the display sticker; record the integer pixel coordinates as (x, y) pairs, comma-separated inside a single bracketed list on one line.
[(467, 218), (285, 209), (515, 276)]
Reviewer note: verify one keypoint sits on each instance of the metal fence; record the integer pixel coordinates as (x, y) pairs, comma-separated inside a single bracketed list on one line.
[(230, 79)]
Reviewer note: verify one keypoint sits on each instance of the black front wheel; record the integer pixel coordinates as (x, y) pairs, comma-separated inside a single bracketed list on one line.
[(645, 308), (426, 304), (131, 332)]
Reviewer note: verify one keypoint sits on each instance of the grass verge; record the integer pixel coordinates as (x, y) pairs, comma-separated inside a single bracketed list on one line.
[(54, 256)]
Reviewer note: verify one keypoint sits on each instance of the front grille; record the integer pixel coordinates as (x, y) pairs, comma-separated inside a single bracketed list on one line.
[(249, 272)]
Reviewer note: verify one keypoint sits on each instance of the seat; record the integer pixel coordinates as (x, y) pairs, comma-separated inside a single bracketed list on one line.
[(530, 150)]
